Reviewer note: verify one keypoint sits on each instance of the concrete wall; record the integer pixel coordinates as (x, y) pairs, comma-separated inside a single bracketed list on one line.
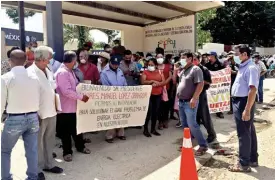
[(219, 48), (132, 37), (265, 51)]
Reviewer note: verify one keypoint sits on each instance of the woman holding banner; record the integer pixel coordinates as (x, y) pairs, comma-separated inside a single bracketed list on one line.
[(153, 77)]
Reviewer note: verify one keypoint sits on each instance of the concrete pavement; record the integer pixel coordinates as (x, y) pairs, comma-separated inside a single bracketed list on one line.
[(136, 158)]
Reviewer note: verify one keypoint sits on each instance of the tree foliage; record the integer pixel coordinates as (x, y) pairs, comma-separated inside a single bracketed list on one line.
[(204, 36), (13, 14), (247, 22)]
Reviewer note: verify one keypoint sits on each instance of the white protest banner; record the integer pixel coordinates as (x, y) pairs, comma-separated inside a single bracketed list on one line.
[(173, 36), (111, 107), (219, 92)]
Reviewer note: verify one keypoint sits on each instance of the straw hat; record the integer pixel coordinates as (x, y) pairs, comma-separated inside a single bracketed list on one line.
[(105, 55)]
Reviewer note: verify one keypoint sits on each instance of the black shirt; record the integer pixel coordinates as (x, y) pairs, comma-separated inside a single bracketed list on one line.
[(206, 77), (215, 66), (234, 67)]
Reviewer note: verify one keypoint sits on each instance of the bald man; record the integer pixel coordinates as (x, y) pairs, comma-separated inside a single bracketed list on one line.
[(20, 93)]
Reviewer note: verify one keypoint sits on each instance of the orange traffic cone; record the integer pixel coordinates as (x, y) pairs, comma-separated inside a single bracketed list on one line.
[(188, 170)]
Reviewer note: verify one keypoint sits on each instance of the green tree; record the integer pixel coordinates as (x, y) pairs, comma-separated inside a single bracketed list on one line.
[(99, 45), (73, 32), (204, 36), (246, 22), (110, 33), (13, 14)]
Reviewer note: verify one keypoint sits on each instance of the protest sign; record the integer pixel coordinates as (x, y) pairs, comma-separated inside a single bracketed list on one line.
[(219, 92), (111, 107)]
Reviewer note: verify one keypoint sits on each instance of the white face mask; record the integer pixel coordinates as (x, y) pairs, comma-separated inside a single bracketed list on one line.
[(172, 61), (160, 60), (83, 61), (33, 49), (237, 60), (151, 68), (183, 62), (76, 65)]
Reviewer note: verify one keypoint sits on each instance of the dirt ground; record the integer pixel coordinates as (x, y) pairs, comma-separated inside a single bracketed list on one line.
[(216, 167)]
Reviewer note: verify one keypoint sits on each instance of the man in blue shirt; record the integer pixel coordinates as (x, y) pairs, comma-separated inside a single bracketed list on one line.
[(243, 93), (111, 75)]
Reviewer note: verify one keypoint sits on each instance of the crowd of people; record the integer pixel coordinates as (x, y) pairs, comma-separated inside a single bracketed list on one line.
[(179, 85)]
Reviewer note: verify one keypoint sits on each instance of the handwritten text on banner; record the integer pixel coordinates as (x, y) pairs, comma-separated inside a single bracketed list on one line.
[(219, 92), (112, 107)]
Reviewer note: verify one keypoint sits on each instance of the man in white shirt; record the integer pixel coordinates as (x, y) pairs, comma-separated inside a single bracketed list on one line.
[(262, 71), (47, 110), (20, 96)]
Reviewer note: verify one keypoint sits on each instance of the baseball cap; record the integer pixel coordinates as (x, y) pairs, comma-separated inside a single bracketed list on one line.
[(212, 53), (115, 60)]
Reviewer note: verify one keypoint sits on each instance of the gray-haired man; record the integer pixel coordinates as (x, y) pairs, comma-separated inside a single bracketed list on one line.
[(47, 110)]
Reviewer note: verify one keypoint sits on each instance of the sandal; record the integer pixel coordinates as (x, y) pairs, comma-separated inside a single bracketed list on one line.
[(85, 151), (86, 140), (160, 127), (121, 137), (201, 151), (239, 168), (109, 140), (68, 158)]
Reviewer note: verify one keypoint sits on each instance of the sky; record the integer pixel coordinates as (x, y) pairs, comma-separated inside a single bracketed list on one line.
[(35, 24)]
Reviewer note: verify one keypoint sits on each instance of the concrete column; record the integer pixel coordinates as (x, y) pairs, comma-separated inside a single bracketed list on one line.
[(3, 46), (45, 41), (22, 25), (55, 28)]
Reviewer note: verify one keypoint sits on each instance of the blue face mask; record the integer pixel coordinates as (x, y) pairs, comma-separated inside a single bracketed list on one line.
[(237, 60)]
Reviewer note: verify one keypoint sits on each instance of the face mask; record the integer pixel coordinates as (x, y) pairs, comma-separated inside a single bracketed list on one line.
[(160, 60), (75, 66), (33, 48), (108, 50), (183, 62), (83, 61), (151, 68), (237, 60), (172, 61)]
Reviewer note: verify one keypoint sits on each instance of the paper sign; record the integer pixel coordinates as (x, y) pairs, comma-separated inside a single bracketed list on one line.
[(111, 107), (219, 92)]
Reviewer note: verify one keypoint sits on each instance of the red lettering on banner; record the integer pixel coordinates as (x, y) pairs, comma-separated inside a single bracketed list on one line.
[(108, 95), (124, 95), (219, 104)]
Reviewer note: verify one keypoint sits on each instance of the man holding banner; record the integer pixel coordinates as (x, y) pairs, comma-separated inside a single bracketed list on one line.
[(214, 65), (113, 76)]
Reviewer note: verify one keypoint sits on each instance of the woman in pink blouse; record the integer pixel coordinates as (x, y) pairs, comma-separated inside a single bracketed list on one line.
[(66, 88)]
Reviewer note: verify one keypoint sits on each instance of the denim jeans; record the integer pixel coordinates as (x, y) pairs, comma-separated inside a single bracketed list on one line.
[(26, 126), (188, 119), (260, 89), (246, 132)]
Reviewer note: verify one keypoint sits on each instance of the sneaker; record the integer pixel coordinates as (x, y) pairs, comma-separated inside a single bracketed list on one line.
[(254, 164), (41, 176), (155, 133), (178, 125), (55, 170), (230, 112), (220, 115)]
